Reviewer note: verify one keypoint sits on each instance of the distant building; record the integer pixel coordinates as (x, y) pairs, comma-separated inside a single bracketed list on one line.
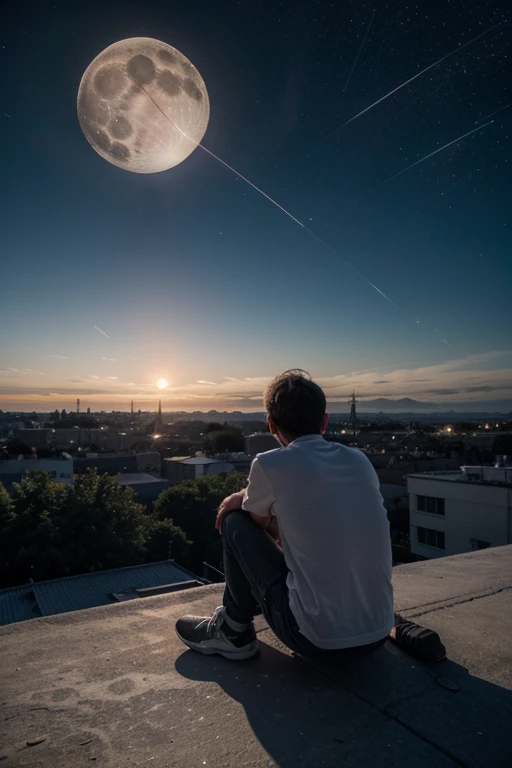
[(241, 461), (484, 438), (13, 470), (72, 438), (114, 463), (89, 590), (260, 442), (149, 461), (178, 469), (147, 487), (455, 512), (34, 438)]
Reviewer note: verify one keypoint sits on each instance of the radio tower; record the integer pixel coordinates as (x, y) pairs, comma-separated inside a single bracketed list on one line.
[(132, 408), (78, 405), (353, 414)]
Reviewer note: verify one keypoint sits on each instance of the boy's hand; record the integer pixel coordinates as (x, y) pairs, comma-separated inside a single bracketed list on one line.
[(230, 504)]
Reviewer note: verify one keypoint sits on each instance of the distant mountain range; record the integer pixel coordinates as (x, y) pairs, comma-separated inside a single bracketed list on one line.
[(408, 405), (404, 405)]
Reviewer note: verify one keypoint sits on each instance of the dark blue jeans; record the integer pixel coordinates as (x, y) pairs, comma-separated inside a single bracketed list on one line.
[(256, 572)]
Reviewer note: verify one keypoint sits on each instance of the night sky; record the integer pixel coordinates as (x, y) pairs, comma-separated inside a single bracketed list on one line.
[(197, 278)]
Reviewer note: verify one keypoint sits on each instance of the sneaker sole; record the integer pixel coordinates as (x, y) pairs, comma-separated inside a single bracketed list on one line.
[(238, 655)]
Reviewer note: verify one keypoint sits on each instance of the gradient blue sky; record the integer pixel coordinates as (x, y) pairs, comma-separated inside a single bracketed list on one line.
[(194, 276)]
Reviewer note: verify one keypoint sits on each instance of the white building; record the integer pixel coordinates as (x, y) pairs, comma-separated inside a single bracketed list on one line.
[(455, 512), (178, 469), (13, 470)]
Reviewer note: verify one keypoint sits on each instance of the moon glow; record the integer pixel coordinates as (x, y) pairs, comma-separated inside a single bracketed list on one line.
[(117, 105)]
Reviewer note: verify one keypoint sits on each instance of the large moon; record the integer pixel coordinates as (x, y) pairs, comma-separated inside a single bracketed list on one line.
[(118, 112)]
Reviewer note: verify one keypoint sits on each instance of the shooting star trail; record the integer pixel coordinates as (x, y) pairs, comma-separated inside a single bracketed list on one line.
[(431, 154), (352, 268), (219, 160), (274, 202), (359, 52), (99, 329), (233, 170), (6, 115), (414, 77), (496, 112)]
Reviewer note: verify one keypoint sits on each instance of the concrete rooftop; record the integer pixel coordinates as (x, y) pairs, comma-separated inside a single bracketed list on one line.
[(113, 686)]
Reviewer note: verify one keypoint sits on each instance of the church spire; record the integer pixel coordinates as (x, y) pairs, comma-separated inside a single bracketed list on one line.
[(158, 420)]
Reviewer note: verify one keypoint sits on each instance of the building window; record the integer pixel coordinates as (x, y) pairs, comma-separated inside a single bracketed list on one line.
[(478, 544), (430, 504), (431, 538)]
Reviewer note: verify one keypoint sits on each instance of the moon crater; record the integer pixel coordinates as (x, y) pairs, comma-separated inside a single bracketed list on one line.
[(141, 69), (167, 56), (191, 88), (109, 81), (170, 83), (142, 105), (120, 128), (119, 151)]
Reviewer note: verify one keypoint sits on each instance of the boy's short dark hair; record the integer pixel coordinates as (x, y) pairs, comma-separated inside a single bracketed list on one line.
[(296, 404)]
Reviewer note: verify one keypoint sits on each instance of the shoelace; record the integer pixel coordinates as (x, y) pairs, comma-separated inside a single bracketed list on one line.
[(214, 623)]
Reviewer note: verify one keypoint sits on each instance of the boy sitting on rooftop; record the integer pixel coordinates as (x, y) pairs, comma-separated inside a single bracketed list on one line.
[(306, 543)]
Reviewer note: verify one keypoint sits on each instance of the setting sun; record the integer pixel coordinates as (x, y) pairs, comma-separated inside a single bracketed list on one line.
[(162, 384)]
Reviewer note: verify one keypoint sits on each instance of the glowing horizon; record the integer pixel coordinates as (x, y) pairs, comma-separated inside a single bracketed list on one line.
[(471, 379)]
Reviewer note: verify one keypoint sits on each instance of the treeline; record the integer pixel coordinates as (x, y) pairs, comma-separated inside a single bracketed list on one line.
[(49, 530)]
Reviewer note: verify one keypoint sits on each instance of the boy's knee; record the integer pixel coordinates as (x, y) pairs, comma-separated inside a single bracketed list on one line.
[(233, 522)]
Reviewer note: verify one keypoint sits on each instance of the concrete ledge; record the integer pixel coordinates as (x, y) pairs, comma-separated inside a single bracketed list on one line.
[(114, 686)]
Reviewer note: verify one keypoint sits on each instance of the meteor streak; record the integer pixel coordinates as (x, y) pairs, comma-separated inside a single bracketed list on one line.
[(414, 77), (435, 152), (103, 332), (496, 112), (233, 170), (270, 199), (359, 52)]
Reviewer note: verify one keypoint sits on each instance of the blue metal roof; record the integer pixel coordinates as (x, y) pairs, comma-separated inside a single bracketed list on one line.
[(88, 590), (18, 604)]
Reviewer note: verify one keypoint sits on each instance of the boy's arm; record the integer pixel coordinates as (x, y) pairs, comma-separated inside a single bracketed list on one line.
[(259, 500), (269, 524), (230, 504)]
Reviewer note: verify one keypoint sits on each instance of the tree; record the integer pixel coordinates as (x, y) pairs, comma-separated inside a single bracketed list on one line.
[(215, 426), (502, 445), (30, 536), (165, 541), (6, 517), (49, 530), (192, 506), (225, 440)]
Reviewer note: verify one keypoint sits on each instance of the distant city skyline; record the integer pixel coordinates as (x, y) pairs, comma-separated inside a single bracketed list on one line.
[(466, 384), (113, 280)]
